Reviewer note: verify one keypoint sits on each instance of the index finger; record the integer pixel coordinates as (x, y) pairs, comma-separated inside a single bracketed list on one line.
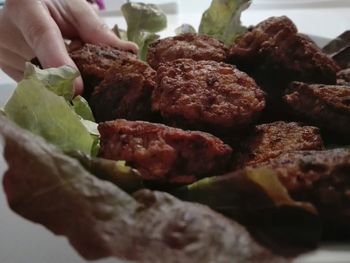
[(43, 35)]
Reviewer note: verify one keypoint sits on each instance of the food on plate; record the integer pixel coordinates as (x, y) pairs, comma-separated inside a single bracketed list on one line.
[(162, 154), (275, 46), (101, 221), (258, 200), (323, 179), (326, 106), (125, 92), (268, 141), (93, 61), (206, 95), (190, 45), (284, 191), (274, 54)]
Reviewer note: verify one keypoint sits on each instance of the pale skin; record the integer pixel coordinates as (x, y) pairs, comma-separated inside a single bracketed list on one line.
[(38, 28)]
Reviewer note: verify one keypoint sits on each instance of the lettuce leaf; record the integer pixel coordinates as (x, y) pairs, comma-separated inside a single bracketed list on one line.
[(58, 80), (143, 21), (222, 19), (46, 186), (41, 104)]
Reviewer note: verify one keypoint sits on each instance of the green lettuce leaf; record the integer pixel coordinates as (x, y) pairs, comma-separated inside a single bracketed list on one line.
[(82, 108), (58, 80), (37, 109), (143, 20), (223, 19), (50, 188), (43, 103)]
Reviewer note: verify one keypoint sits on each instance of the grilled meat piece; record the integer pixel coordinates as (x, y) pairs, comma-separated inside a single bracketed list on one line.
[(271, 140), (274, 54), (325, 106), (322, 178), (164, 154), (196, 47), (125, 92), (275, 45), (206, 95), (94, 60)]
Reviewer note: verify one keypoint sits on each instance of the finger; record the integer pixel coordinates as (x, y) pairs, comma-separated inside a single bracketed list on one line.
[(12, 59), (92, 29), (42, 35), (13, 73)]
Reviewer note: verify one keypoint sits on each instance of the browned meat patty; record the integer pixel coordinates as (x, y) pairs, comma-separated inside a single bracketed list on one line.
[(275, 46), (196, 47), (125, 92), (93, 61), (271, 140), (206, 95), (322, 178), (164, 154), (325, 106)]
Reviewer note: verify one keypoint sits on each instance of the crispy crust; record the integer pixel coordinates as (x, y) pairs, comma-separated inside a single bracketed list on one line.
[(164, 154), (125, 91), (274, 45), (326, 106), (206, 95), (271, 140), (94, 60), (196, 47)]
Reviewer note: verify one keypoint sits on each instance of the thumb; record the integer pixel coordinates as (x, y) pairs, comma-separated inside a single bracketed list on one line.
[(92, 29)]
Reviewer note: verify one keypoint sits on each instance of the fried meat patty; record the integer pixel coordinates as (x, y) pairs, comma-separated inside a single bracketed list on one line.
[(94, 60), (125, 92), (196, 47), (206, 95), (164, 154), (322, 178), (325, 106), (276, 47), (273, 139)]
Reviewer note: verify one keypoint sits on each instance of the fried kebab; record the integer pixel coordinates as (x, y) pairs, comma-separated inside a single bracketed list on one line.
[(162, 154), (206, 95), (189, 45), (326, 106), (268, 141), (274, 54)]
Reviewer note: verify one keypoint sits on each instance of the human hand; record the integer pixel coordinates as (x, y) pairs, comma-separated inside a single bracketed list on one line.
[(37, 28)]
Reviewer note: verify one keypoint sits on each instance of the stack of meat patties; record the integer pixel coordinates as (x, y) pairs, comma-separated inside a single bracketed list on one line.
[(199, 108)]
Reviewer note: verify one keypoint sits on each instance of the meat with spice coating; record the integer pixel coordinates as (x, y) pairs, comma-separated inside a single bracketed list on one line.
[(189, 45), (125, 92), (163, 154), (94, 60), (273, 139), (322, 178), (325, 106), (206, 95), (275, 46)]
